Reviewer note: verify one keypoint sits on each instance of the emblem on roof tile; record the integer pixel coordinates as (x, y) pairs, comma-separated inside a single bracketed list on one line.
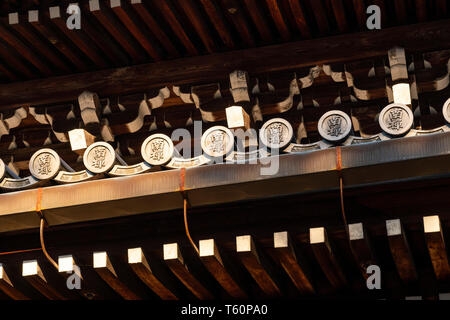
[(335, 126), (157, 149), (45, 164), (276, 133), (100, 157), (217, 141), (396, 119)]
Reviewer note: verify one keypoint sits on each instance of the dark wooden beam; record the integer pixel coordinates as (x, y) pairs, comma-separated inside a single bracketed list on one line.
[(139, 263), (254, 9), (8, 288), (300, 19), (32, 272), (320, 15), (145, 15), (292, 262), (361, 247), (11, 59), (8, 73), (217, 66), (105, 270), (27, 32), (279, 20), (109, 47), (257, 265), (81, 40), (441, 8), (41, 25), (213, 261), (384, 18), (236, 16), (68, 266), (400, 10), (360, 11), (401, 254), (428, 284), (24, 51), (127, 17), (326, 257), (175, 262), (169, 14), (193, 13), (105, 17), (339, 13), (218, 21), (421, 10), (434, 238)]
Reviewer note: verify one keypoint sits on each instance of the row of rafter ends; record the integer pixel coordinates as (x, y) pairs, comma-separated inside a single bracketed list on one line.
[(255, 260), (55, 11)]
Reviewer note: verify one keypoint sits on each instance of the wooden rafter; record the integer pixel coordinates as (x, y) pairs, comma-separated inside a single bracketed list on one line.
[(212, 68)]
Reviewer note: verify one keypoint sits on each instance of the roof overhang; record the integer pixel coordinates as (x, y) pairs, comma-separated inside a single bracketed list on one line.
[(372, 163)]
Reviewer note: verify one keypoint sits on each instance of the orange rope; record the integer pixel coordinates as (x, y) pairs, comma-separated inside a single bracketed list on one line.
[(341, 186), (38, 201), (19, 251), (41, 233), (41, 228), (187, 228)]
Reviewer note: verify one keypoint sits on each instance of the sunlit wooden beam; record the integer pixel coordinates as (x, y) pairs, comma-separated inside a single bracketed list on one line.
[(293, 262), (175, 262), (8, 288), (104, 268), (32, 272), (326, 257), (139, 263), (212, 260), (257, 265), (401, 253), (361, 247), (434, 238)]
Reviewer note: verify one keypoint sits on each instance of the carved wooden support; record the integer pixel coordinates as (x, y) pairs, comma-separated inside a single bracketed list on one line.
[(211, 101), (90, 108), (401, 253), (326, 257), (434, 238), (275, 93), (239, 86), (130, 116), (11, 120), (293, 262)]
